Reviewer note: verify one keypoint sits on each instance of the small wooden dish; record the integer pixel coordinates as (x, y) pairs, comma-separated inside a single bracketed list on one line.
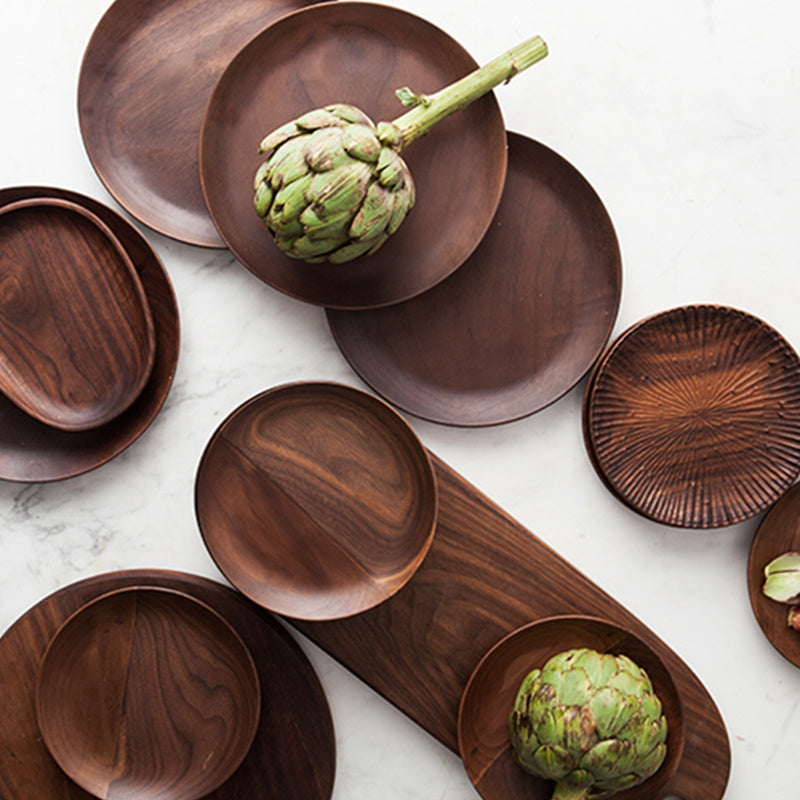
[(488, 697), (519, 324), (357, 53), (145, 79), (778, 533), (147, 692), (692, 416), (77, 340), (316, 500)]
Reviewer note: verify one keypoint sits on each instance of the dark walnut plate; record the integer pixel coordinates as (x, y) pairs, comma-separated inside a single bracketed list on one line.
[(31, 451), (316, 500), (77, 341), (357, 53), (293, 754), (147, 692), (146, 76), (692, 416), (778, 533), (519, 324), (483, 736)]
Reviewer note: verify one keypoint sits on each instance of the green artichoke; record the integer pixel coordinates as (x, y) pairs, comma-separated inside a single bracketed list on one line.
[(334, 187), (589, 721)]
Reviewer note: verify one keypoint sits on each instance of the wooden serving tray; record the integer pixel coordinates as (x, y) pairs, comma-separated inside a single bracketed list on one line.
[(484, 576)]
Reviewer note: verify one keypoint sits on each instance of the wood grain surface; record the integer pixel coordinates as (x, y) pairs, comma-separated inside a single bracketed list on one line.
[(293, 756), (77, 340), (485, 576)]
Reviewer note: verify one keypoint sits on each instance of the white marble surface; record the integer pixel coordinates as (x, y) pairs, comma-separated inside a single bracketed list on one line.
[(685, 117)]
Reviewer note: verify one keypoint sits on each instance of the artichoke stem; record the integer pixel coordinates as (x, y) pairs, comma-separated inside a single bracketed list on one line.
[(564, 792), (435, 107)]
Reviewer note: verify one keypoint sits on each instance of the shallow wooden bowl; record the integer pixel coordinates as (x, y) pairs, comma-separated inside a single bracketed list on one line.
[(488, 697), (147, 692), (316, 500), (77, 339)]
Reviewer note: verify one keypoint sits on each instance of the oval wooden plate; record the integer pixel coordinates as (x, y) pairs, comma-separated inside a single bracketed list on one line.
[(77, 341), (778, 533), (31, 451), (489, 695), (316, 500), (146, 692), (293, 755), (146, 77), (692, 416), (519, 324), (357, 53)]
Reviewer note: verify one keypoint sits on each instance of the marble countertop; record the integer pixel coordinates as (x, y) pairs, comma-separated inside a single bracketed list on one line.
[(685, 118)]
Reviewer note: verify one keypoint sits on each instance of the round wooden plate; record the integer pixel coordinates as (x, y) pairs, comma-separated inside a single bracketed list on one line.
[(316, 500), (147, 692), (357, 53), (77, 341), (692, 416), (146, 76), (31, 451), (778, 533), (293, 754), (519, 324), (483, 737)]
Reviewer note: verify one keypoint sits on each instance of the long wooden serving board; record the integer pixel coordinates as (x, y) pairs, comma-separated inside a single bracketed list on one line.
[(484, 576)]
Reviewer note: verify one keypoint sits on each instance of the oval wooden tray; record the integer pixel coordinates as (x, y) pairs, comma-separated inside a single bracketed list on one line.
[(316, 500), (31, 451), (357, 53), (293, 755), (692, 416), (146, 76), (519, 324), (77, 340)]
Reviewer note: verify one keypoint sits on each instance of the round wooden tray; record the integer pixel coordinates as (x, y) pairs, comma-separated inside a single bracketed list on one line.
[(31, 451), (146, 76), (293, 754), (357, 53), (692, 416), (519, 324)]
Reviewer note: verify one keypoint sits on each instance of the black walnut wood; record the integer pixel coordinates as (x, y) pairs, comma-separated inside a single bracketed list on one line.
[(77, 340), (316, 500), (146, 76), (293, 754), (31, 451), (515, 327), (147, 693), (483, 736), (692, 416), (357, 53)]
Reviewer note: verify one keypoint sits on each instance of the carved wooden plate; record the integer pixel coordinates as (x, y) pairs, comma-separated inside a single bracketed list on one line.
[(31, 451), (146, 76), (519, 324), (147, 692), (692, 417), (77, 341), (357, 53), (489, 695), (316, 500)]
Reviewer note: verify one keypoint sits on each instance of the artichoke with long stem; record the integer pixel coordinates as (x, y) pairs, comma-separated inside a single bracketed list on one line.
[(334, 187)]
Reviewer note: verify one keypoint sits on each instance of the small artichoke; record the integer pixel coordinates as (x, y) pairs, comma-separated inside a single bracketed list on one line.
[(590, 722), (334, 187), (782, 578)]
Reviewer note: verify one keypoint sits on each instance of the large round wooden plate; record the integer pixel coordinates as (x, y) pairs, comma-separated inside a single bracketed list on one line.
[(316, 500), (293, 755), (31, 451), (692, 417), (519, 324), (357, 53), (146, 76), (486, 703)]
